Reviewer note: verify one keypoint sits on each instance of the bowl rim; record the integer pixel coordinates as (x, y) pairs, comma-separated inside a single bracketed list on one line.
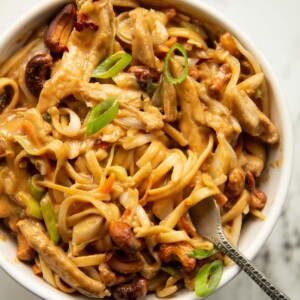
[(286, 127)]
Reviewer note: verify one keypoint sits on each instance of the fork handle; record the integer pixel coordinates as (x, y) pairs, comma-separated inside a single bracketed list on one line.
[(269, 288)]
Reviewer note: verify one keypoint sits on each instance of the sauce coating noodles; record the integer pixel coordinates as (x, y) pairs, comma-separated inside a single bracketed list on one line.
[(107, 213)]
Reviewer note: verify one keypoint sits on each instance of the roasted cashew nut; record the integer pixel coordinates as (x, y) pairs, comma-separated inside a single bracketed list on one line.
[(59, 30), (36, 73), (178, 251), (134, 290)]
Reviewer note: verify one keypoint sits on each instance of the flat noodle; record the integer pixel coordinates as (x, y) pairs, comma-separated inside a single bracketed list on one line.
[(62, 286), (238, 208), (47, 272), (89, 260), (121, 196), (9, 83), (11, 66), (175, 135)]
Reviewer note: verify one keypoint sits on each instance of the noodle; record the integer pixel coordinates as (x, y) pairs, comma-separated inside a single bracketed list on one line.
[(98, 204)]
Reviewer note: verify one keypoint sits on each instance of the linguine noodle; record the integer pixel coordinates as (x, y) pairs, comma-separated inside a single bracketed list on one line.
[(117, 201)]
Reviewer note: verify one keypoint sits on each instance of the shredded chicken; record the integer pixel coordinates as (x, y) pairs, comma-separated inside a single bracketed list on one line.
[(169, 100), (252, 120), (86, 49), (142, 44), (59, 262), (192, 120)]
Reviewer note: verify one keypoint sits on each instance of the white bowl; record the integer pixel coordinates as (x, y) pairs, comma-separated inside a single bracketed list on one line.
[(254, 233)]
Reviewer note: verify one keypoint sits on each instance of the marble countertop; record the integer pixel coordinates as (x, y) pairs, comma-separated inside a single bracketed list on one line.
[(275, 28)]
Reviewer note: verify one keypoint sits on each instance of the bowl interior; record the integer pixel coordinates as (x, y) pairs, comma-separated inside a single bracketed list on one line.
[(277, 174)]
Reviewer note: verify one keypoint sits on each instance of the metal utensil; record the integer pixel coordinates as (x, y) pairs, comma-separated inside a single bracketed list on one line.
[(207, 220)]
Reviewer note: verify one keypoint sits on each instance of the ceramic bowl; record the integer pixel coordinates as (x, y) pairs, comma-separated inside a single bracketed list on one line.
[(255, 232)]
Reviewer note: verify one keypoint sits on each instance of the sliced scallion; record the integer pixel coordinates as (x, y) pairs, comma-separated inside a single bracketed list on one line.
[(201, 253), (50, 218), (102, 115), (170, 270), (36, 191), (167, 72), (208, 278), (112, 65), (32, 206)]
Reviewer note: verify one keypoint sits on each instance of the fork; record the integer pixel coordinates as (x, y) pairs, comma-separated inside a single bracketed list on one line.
[(207, 221)]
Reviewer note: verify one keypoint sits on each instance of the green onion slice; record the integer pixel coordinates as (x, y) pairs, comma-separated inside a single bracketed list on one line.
[(32, 206), (208, 278), (102, 115), (50, 218), (112, 65), (186, 64), (36, 191), (201, 254), (170, 270)]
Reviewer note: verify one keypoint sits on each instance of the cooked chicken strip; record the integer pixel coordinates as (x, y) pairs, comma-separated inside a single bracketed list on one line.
[(192, 120), (86, 48), (142, 45), (169, 100), (131, 105), (58, 261), (252, 120)]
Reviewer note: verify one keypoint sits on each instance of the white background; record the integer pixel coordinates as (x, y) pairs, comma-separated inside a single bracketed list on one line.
[(274, 25)]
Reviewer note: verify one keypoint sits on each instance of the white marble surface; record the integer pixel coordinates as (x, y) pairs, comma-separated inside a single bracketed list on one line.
[(274, 25)]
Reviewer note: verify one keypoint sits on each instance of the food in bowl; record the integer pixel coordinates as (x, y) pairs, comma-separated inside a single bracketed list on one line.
[(117, 117)]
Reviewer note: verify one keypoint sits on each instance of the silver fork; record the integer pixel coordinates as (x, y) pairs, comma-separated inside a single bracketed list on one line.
[(207, 220)]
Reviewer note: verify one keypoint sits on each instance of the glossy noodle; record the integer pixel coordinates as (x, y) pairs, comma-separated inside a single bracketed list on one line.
[(103, 154)]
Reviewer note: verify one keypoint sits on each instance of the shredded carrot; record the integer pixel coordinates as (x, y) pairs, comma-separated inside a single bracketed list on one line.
[(108, 184), (162, 49), (29, 130), (171, 41)]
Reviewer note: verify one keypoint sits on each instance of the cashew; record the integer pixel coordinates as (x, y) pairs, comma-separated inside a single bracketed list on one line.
[(123, 236), (258, 199), (178, 251), (236, 181), (36, 72), (59, 30), (110, 278), (125, 264), (136, 290)]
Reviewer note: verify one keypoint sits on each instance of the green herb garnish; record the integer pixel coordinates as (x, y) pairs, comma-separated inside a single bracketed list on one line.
[(102, 115), (208, 278), (112, 65), (167, 72)]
